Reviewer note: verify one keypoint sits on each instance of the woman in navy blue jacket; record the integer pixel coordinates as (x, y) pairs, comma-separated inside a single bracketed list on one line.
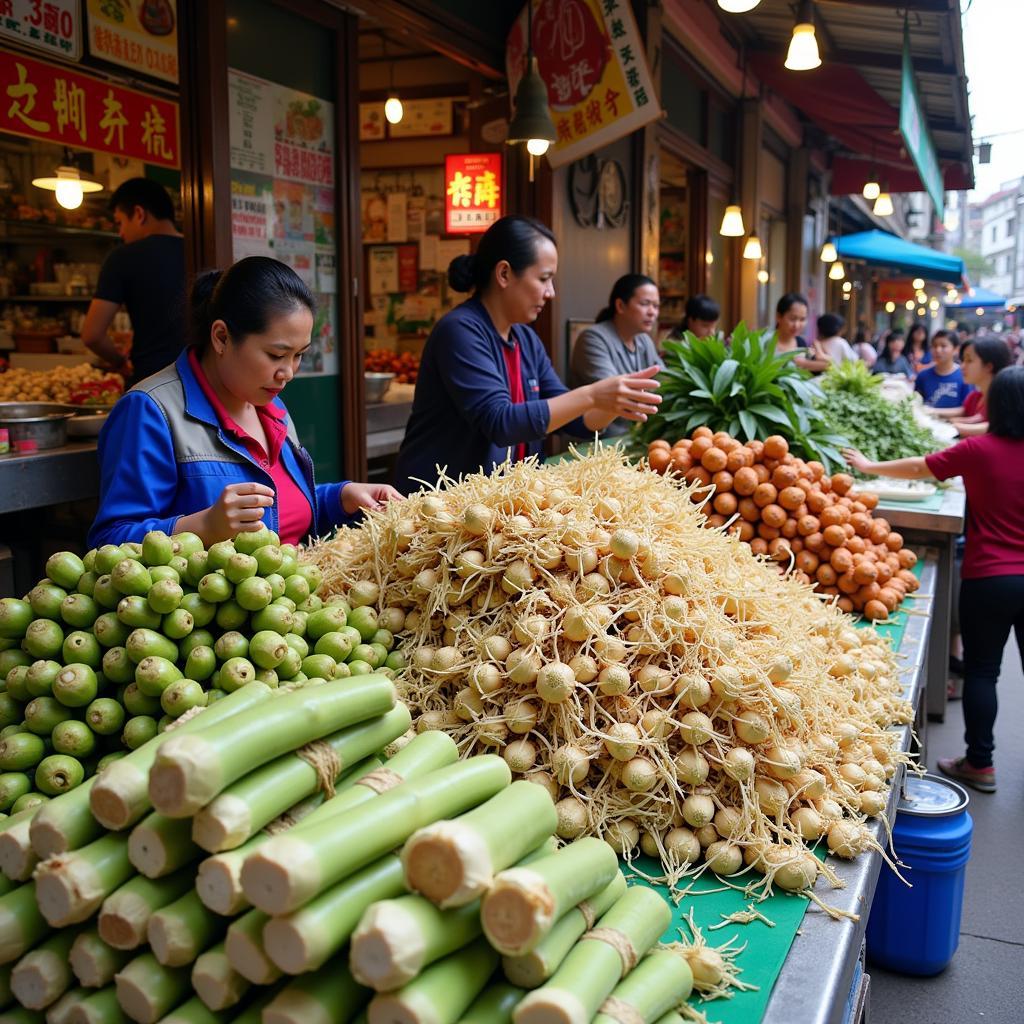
[(206, 444), (486, 389)]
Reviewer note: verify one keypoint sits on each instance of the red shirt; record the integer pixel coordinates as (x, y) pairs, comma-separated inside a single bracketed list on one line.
[(974, 404), (516, 391), (993, 472), (294, 514)]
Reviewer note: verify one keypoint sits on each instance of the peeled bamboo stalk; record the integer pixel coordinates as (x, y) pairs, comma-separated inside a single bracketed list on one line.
[(159, 845), (252, 1013), (60, 1011), (94, 962), (454, 862), (670, 1018), (443, 992), (532, 969), (194, 1012), (525, 902), (494, 1005), (327, 996), (190, 770), (659, 982), (292, 868), (120, 795), (65, 823), (71, 886), (245, 950), (17, 858), (587, 976), (146, 990), (216, 982), (126, 911), (308, 937), (19, 1015), (99, 1007), (180, 931), (247, 805), (22, 925), (42, 975)]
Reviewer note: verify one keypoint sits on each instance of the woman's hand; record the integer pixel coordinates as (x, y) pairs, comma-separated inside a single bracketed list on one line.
[(355, 496), (239, 509), (629, 395), (858, 460)]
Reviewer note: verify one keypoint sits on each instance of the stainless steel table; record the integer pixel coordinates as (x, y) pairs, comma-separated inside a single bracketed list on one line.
[(817, 983), (68, 473), (938, 529)]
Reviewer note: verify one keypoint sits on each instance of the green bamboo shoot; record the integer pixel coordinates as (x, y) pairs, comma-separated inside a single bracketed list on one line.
[(94, 962), (525, 902), (195, 1012), (307, 938), (453, 863), (494, 1005), (60, 1011), (659, 982), (19, 1015), (6, 996), (180, 931), (100, 1007), (146, 990), (42, 975), (126, 911), (71, 886), (443, 992), (670, 1018), (17, 858), (244, 947), (216, 982), (159, 845), (120, 797), (291, 869), (587, 976), (190, 770), (327, 996), (246, 806), (65, 823), (534, 968), (254, 1007), (22, 925)]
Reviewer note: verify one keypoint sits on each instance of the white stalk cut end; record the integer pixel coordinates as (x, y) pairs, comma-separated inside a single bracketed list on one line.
[(38, 977), (146, 852), (17, 858), (122, 921), (219, 885), (387, 949), (68, 890), (133, 999), (551, 1006), (170, 940), (291, 1006), (449, 863), (185, 776), (223, 824), (47, 839), (216, 982), (517, 911), (246, 957), (281, 875), (120, 797)]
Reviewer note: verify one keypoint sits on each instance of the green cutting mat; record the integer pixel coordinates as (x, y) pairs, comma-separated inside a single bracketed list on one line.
[(933, 503)]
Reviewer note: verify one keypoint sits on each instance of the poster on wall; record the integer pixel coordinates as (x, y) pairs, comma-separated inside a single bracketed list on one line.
[(141, 35), (54, 27), (283, 199), (591, 57)]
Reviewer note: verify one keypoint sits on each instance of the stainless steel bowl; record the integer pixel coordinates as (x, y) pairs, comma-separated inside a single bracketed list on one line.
[(377, 385), (38, 424)]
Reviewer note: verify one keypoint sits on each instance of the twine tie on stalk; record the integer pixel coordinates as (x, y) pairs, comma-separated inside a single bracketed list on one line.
[(619, 942)]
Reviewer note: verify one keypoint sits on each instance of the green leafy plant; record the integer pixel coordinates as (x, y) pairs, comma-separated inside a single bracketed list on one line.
[(747, 389)]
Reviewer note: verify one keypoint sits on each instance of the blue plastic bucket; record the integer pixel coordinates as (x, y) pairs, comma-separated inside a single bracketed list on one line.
[(916, 930)]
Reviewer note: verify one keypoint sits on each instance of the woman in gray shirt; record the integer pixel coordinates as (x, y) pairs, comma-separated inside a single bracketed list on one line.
[(620, 340)]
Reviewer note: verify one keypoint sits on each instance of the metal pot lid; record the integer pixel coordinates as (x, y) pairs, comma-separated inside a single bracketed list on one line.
[(930, 796)]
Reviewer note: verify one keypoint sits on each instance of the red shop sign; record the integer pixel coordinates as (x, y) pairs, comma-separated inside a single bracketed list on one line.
[(472, 192), (47, 101)]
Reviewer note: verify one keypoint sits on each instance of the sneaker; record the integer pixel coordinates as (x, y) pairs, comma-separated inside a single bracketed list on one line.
[(959, 768)]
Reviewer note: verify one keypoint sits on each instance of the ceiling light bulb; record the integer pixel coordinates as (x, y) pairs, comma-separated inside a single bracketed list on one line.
[(847, 285), (837, 271), (883, 205), (910, 303), (709, 257), (393, 110), (803, 49), (872, 190), (69, 187), (537, 147), (952, 297), (732, 223), (69, 193), (752, 249), (890, 307), (737, 6), (762, 276), (918, 283), (980, 311), (829, 253)]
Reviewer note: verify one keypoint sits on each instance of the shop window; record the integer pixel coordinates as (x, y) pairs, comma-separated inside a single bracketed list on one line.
[(683, 101), (675, 252)]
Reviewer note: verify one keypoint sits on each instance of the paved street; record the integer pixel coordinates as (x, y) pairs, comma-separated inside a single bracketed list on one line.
[(985, 982)]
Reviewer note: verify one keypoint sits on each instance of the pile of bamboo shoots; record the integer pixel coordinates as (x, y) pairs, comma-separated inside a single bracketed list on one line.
[(669, 688)]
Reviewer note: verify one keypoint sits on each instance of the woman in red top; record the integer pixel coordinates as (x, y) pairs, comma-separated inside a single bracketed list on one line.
[(992, 579)]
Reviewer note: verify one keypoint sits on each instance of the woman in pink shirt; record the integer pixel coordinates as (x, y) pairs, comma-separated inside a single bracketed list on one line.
[(992, 579)]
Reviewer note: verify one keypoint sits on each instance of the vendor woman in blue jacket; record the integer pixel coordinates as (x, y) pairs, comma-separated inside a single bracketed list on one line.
[(486, 389), (206, 444)]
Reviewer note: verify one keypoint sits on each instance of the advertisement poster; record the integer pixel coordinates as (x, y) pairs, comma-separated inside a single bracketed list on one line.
[(591, 57), (473, 196), (141, 35), (54, 27), (252, 212)]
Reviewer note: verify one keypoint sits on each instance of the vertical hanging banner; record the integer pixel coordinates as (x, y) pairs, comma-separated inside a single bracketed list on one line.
[(472, 192), (916, 137), (591, 57)]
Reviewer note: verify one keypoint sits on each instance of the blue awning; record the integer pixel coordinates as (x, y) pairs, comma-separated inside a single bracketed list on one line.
[(881, 249), (980, 298)]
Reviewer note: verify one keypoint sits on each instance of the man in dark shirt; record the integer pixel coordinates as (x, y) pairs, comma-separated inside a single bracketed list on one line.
[(146, 275)]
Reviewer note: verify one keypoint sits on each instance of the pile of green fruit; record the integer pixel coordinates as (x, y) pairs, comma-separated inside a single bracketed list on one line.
[(109, 649)]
